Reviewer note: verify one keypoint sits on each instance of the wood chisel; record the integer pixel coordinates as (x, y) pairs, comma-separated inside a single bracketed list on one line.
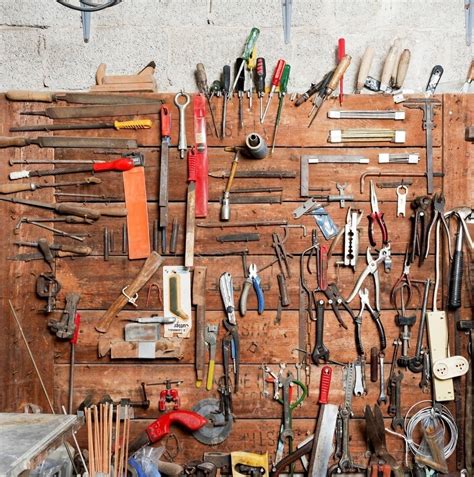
[(123, 164), (68, 141), (98, 111), (364, 68), (118, 125), (190, 209), (202, 167), (81, 98), (393, 74), (165, 116), (138, 234), (387, 69), (331, 86), (402, 69)]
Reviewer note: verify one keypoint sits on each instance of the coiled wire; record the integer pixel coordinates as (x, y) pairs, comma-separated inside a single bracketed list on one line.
[(411, 423)]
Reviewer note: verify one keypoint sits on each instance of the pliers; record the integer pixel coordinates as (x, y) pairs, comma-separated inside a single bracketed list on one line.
[(336, 300), (375, 315), (438, 214), (372, 268), (376, 217), (252, 280)]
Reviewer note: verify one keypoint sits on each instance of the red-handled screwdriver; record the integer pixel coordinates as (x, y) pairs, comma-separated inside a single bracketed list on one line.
[(275, 82), (125, 163)]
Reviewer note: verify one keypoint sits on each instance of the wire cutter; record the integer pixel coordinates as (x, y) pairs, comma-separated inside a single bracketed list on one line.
[(376, 217), (375, 315), (402, 285), (336, 301), (380, 460), (252, 280), (438, 214), (372, 268)]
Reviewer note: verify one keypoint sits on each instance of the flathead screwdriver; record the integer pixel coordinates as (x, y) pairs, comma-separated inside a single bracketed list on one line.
[(275, 82), (225, 96), (283, 89), (260, 84), (240, 89), (248, 47), (251, 63)]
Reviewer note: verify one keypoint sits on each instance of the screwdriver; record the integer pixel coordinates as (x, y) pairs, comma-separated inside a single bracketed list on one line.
[(240, 89), (275, 82), (332, 85), (225, 95), (283, 88), (248, 47), (122, 164), (251, 63), (260, 85), (201, 80)]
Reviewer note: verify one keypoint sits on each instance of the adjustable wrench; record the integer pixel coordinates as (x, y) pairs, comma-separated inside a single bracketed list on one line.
[(210, 337), (320, 352)]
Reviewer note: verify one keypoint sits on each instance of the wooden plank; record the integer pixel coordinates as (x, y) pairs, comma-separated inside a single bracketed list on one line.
[(286, 159), (97, 294), (261, 340)]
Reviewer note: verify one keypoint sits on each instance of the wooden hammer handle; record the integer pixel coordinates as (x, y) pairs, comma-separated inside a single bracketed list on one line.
[(153, 262)]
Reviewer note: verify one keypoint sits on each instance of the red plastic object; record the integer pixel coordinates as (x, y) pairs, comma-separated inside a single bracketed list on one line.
[(167, 396), (123, 164), (202, 167), (341, 51), (323, 267), (165, 117), (325, 383), (192, 164), (190, 420), (278, 72), (77, 322)]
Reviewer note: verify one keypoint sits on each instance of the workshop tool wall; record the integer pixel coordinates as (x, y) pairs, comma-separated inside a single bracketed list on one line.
[(262, 338)]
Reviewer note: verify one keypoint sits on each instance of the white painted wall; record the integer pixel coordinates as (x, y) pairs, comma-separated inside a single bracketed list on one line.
[(41, 42)]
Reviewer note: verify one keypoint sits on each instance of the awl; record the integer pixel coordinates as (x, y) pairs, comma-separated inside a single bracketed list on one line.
[(81, 98), (68, 141), (120, 165)]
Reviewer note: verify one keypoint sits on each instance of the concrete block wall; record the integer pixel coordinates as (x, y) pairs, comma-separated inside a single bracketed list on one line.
[(41, 44)]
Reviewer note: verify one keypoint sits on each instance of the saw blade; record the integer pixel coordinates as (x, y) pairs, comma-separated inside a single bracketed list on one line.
[(217, 430)]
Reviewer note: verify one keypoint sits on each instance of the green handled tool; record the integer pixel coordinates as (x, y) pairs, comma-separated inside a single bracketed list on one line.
[(248, 48), (283, 89)]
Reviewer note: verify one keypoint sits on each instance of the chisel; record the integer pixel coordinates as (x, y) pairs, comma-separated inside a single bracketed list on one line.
[(387, 69), (122, 164), (136, 124), (68, 141), (402, 69), (98, 111), (364, 68), (81, 98)]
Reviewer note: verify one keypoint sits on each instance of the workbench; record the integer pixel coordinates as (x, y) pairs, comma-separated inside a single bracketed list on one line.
[(27, 439), (262, 341)]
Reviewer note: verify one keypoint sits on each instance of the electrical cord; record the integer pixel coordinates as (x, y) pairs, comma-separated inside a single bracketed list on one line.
[(90, 6)]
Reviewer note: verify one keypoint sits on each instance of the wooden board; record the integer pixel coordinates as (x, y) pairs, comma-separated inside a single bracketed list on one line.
[(262, 341)]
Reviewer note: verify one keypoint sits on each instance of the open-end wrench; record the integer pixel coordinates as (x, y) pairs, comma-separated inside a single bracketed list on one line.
[(395, 406), (210, 337), (382, 396), (359, 383), (426, 374), (287, 431), (182, 143), (345, 462), (320, 352)]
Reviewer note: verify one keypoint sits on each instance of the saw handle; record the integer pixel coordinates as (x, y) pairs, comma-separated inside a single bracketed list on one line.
[(325, 383), (25, 95), (190, 420), (13, 141), (338, 73)]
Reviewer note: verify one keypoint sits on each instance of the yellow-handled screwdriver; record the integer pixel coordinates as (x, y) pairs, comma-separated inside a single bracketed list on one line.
[(136, 124)]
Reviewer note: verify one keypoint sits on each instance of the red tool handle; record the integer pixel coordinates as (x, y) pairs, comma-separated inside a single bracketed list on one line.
[(325, 383), (323, 267), (341, 51), (377, 217), (191, 420), (122, 164), (278, 72), (201, 167), (77, 322), (165, 117), (192, 164)]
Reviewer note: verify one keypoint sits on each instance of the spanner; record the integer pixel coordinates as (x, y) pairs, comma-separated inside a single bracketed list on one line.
[(395, 405), (210, 337), (382, 396), (182, 144), (402, 191)]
